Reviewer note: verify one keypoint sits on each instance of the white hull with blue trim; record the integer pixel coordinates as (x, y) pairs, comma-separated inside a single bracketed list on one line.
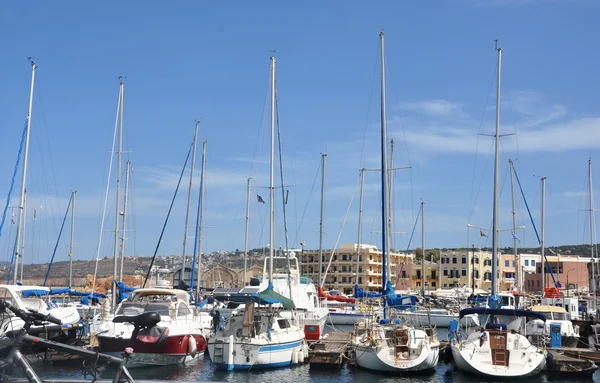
[(257, 338), (253, 353)]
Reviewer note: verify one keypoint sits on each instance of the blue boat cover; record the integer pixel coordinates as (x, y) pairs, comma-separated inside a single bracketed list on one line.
[(501, 312)]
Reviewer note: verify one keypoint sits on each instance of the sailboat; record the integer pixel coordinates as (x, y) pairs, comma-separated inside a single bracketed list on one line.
[(385, 346), (498, 350), (265, 334)]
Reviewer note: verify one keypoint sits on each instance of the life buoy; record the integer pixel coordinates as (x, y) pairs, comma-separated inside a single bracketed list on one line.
[(192, 346)]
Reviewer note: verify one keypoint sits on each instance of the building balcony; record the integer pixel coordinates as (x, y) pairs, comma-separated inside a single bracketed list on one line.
[(509, 280)]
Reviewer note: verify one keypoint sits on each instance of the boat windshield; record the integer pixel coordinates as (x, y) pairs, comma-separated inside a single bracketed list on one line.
[(136, 308), (555, 316)]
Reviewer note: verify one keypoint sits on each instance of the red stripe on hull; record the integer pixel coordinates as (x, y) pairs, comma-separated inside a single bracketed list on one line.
[(177, 344)]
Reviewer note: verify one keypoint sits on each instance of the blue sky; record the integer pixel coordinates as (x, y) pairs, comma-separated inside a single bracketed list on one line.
[(210, 61)]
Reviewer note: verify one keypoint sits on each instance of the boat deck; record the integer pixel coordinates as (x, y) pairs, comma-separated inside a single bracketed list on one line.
[(330, 351), (576, 363)]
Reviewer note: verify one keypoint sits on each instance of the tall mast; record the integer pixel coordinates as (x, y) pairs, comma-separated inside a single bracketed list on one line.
[(384, 173), (201, 215), (117, 202), (360, 212), (543, 250), (495, 213), (124, 231), (592, 232), (272, 177), (187, 210), (323, 162), (23, 237), (72, 239), (249, 187), (390, 209), (423, 261), (519, 280), (20, 220), (423, 247)]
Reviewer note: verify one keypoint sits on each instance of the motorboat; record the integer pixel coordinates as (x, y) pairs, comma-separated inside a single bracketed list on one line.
[(539, 331), (35, 298), (177, 338)]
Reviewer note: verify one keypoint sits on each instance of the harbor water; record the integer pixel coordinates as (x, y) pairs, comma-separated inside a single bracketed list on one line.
[(204, 370)]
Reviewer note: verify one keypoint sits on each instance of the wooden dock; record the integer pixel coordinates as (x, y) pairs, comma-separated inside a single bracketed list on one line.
[(330, 351), (570, 361)]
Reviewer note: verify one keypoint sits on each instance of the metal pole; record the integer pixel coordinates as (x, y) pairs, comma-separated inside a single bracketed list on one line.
[(323, 162), (187, 210), (360, 211), (542, 235), (519, 281), (117, 205), (389, 207), (247, 227), (473, 271), (71, 244), (124, 231), (592, 233), (272, 177), (496, 210), (23, 239), (24, 175), (423, 248), (384, 173), (200, 219)]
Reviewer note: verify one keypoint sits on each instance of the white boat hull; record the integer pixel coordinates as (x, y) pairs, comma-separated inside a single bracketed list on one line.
[(383, 359), (250, 354), (479, 361)]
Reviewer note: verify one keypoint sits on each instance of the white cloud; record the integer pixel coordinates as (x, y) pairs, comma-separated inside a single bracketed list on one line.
[(433, 107), (538, 126)]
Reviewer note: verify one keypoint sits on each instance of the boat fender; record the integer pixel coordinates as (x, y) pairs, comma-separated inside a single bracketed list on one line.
[(550, 361), (294, 356), (447, 356), (301, 354), (192, 348), (172, 311)]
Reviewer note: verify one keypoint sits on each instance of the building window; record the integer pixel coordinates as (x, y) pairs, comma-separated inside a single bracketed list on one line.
[(532, 263), (433, 284), (360, 280), (464, 272), (514, 263), (487, 262), (487, 276), (343, 279), (455, 272), (454, 259), (444, 258), (476, 273), (464, 259), (418, 284), (445, 271), (476, 260), (527, 262), (506, 263)]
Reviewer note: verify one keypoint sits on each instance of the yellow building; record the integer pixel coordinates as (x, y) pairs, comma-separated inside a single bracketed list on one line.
[(466, 267), (342, 271), (508, 271), (431, 279)]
